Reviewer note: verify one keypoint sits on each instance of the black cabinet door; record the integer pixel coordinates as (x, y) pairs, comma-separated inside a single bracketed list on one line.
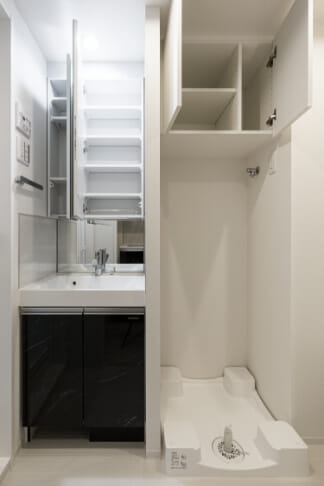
[(114, 371), (52, 346)]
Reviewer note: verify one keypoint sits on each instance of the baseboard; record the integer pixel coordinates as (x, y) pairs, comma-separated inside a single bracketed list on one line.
[(153, 452), (4, 466)]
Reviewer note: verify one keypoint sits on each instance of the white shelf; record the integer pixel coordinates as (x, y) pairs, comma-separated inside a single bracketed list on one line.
[(59, 103), (113, 112), (113, 86), (205, 62), (60, 180), (58, 86), (93, 168), (58, 215), (113, 216), (59, 120), (103, 195), (203, 106), (113, 140), (211, 144)]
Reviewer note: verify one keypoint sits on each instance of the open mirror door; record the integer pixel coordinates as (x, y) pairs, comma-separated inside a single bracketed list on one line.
[(292, 66), (68, 133), (77, 141), (172, 66)]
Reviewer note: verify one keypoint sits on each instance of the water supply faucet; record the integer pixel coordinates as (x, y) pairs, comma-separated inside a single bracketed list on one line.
[(99, 263)]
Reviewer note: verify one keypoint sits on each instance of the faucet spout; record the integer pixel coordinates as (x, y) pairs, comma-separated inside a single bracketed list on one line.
[(99, 263)]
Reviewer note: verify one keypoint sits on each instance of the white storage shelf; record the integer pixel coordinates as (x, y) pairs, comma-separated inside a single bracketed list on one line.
[(110, 167), (59, 120), (57, 147), (219, 47), (203, 107), (112, 162), (113, 140), (199, 144), (113, 112), (59, 105), (103, 195)]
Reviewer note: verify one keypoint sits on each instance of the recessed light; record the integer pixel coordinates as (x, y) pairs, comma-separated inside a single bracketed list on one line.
[(90, 43)]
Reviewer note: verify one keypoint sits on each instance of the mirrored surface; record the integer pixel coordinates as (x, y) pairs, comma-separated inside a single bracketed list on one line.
[(78, 242)]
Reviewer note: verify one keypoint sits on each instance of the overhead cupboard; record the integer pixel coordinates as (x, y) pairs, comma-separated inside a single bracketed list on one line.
[(235, 74), (95, 133)]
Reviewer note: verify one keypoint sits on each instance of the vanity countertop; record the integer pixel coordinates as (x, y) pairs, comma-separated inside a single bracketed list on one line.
[(86, 290)]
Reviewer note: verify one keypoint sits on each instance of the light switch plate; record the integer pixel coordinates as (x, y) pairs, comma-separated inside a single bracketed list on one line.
[(22, 150), (23, 122)]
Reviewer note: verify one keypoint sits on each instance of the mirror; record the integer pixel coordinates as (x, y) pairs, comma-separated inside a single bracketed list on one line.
[(79, 240)]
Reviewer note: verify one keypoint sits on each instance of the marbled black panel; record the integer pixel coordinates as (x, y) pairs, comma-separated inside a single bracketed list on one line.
[(52, 360), (114, 374)]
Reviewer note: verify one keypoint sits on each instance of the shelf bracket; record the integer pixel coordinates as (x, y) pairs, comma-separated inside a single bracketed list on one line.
[(272, 57), (272, 118)]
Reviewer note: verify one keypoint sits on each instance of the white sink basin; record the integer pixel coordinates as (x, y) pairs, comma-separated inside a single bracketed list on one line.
[(89, 282), (85, 290)]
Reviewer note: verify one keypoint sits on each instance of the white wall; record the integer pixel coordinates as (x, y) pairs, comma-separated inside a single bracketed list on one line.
[(152, 229), (269, 278), (37, 248), (308, 258), (6, 254), (28, 69), (203, 265)]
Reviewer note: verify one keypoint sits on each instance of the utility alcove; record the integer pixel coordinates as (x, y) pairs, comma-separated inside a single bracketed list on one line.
[(228, 211), (231, 74)]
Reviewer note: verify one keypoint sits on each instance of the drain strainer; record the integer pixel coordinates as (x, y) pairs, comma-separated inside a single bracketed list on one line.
[(236, 454)]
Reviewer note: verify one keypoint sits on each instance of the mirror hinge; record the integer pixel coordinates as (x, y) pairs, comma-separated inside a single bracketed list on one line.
[(272, 118), (272, 57)]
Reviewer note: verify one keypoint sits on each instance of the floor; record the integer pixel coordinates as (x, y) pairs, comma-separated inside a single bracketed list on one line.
[(47, 463)]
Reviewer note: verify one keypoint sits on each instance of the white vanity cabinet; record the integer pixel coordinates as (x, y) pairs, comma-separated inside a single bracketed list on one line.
[(235, 73), (59, 144)]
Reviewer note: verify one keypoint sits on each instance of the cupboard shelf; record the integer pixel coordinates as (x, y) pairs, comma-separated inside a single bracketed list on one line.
[(210, 144), (98, 195), (59, 121), (207, 64), (58, 87), (59, 104), (113, 140), (102, 168), (114, 86), (113, 216), (113, 112), (60, 180), (203, 107)]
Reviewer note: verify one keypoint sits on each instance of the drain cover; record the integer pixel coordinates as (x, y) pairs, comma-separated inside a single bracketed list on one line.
[(236, 454)]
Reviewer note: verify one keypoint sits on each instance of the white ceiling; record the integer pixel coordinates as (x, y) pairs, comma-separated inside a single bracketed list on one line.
[(319, 9), (118, 25)]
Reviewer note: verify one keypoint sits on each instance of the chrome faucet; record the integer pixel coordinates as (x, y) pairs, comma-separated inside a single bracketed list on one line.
[(99, 263)]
